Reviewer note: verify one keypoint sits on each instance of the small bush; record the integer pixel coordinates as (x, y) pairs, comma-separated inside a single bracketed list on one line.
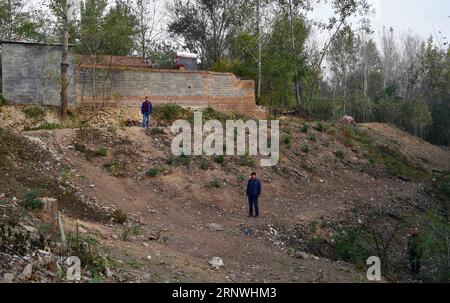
[(34, 112), (205, 164), (155, 171), (288, 139), (305, 148), (304, 129), (185, 159), (119, 216), (321, 127), (157, 131), (50, 126), (32, 200), (116, 168), (101, 152), (312, 138), (220, 160), (170, 112), (216, 183), (128, 231), (339, 153), (3, 101), (353, 245)]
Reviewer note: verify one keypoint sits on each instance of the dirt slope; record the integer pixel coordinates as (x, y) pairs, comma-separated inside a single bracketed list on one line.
[(431, 156), (187, 211)]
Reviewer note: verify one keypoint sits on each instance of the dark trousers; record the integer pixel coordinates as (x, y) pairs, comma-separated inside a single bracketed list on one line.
[(253, 203), (415, 266)]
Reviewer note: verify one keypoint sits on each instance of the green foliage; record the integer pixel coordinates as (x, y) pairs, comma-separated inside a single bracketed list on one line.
[(34, 112), (220, 160), (32, 200), (47, 126), (205, 164), (120, 216), (216, 183), (170, 112), (116, 168), (287, 139), (312, 138), (130, 230), (183, 160), (321, 127), (3, 101), (339, 153), (101, 152), (434, 245), (304, 129), (108, 31), (353, 245), (393, 161), (306, 148), (155, 171)]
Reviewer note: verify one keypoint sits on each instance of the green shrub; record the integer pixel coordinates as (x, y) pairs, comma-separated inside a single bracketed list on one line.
[(305, 148), (34, 112), (321, 127), (312, 138), (119, 216), (220, 160), (205, 164), (170, 112), (339, 153), (353, 245), (183, 160), (216, 183), (288, 139), (32, 200), (116, 168), (304, 129), (157, 131), (155, 171), (101, 152), (3, 101)]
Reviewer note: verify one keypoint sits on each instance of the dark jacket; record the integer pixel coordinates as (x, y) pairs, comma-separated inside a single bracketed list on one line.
[(254, 188), (150, 108), (414, 252)]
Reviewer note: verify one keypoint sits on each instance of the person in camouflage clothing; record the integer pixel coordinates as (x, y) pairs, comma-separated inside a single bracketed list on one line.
[(414, 254)]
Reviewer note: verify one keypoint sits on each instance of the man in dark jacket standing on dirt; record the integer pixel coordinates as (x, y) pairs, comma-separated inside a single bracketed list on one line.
[(253, 194), (414, 254), (146, 110)]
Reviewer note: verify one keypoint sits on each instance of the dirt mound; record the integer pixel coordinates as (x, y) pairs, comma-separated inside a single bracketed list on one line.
[(417, 150)]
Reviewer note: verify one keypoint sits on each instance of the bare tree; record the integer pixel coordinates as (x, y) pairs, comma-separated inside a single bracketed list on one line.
[(65, 63), (150, 17), (389, 56)]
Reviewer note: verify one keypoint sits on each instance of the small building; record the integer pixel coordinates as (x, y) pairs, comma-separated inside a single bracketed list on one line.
[(187, 61)]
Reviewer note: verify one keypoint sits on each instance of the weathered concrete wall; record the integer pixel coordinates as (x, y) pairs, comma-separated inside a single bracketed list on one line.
[(222, 91), (31, 73)]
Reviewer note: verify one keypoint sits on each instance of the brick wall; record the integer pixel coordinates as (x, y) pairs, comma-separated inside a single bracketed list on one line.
[(31, 75), (222, 91)]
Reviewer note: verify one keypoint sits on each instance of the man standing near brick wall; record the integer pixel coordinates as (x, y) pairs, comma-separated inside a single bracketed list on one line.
[(146, 109)]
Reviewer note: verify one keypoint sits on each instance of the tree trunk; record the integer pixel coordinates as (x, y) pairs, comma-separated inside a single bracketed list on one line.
[(294, 55), (65, 67), (258, 13)]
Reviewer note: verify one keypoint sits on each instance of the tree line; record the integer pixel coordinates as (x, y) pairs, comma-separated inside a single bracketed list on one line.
[(374, 77)]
